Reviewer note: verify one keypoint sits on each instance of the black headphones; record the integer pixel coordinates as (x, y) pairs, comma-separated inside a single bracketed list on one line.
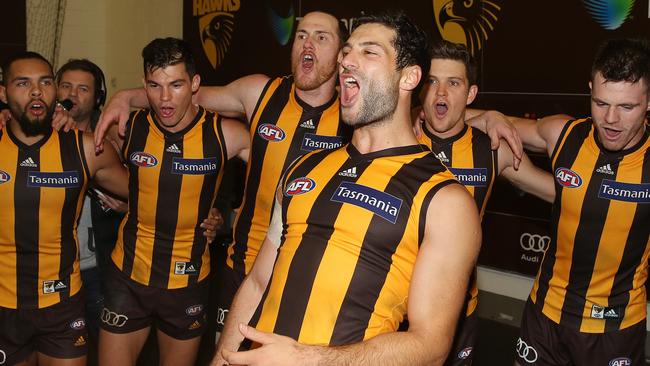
[(92, 68)]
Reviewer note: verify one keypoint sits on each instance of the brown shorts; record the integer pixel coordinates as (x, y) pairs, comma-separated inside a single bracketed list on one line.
[(545, 343), (130, 306), (57, 331), (462, 349), (228, 284)]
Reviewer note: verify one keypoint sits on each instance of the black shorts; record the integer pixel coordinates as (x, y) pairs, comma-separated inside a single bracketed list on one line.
[(130, 306), (229, 282), (57, 331), (544, 342), (462, 348)]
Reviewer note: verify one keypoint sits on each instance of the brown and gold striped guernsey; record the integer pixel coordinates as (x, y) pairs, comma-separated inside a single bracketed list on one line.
[(173, 179), (353, 226), (593, 275), (469, 156), (282, 128), (41, 188)]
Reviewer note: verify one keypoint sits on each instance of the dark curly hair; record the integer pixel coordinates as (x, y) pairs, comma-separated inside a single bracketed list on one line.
[(410, 41), (623, 60), (163, 52), (445, 50)]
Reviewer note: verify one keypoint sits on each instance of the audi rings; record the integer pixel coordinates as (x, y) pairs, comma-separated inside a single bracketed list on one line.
[(534, 242), (526, 352), (113, 319), (221, 316)]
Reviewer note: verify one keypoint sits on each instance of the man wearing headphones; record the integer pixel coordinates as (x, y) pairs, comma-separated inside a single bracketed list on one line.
[(82, 82)]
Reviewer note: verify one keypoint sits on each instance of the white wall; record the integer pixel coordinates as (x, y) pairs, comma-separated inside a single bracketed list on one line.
[(112, 33)]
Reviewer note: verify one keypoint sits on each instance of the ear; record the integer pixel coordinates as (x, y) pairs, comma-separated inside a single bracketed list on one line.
[(473, 90), (590, 88), (3, 94), (196, 83), (144, 82), (410, 77)]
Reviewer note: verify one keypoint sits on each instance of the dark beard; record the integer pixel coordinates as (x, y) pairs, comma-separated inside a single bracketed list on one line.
[(42, 126)]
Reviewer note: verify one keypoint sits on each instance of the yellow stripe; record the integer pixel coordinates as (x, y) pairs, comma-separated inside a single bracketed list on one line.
[(339, 261), (49, 230), (571, 211), (147, 204), (252, 131), (8, 265), (299, 210)]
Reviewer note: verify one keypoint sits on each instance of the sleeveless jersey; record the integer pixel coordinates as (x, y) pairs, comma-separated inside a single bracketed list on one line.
[(173, 180), (353, 226), (469, 156), (41, 188), (593, 275), (282, 128)]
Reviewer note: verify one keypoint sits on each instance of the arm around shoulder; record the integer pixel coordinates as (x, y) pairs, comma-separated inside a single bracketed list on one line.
[(106, 169), (236, 99)]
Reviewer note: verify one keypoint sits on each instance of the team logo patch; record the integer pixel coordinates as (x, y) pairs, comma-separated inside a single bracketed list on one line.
[(143, 159), (68, 179), (271, 133), (4, 177), (464, 353), (195, 166), (78, 324), (474, 177), (185, 268), (605, 312), (628, 192), (380, 203), (313, 142), (52, 286), (620, 361), (299, 186), (194, 310), (567, 178)]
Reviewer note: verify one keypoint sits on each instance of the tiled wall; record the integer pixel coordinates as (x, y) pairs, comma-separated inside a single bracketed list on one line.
[(112, 33)]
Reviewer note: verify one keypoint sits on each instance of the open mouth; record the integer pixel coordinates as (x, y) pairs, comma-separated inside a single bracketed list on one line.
[(307, 61), (611, 134), (349, 89), (166, 112), (441, 109), (37, 108)]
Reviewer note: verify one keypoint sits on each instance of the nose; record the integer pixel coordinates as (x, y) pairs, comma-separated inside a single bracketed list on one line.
[(308, 45), (441, 89), (611, 116), (165, 94), (73, 91), (36, 90), (348, 60)]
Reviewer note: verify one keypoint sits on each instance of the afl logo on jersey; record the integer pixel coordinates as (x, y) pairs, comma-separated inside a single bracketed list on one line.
[(567, 178), (299, 186), (271, 133), (143, 159), (4, 177)]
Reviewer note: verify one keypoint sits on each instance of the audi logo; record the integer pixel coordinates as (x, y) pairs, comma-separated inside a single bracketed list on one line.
[(534, 242), (113, 319), (526, 352), (221, 315), (3, 357)]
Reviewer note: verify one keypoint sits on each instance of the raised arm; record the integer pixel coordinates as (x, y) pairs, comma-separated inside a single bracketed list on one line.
[(535, 135), (236, 99), (237, 138), (438, 286), (528, 177), (106, 169)]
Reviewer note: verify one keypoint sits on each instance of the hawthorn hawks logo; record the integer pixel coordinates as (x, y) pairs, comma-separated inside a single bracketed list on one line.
[(216, 21), (467, 22)]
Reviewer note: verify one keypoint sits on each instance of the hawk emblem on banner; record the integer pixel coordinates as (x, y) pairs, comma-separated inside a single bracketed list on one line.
[(216, 35), (467, 22)]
